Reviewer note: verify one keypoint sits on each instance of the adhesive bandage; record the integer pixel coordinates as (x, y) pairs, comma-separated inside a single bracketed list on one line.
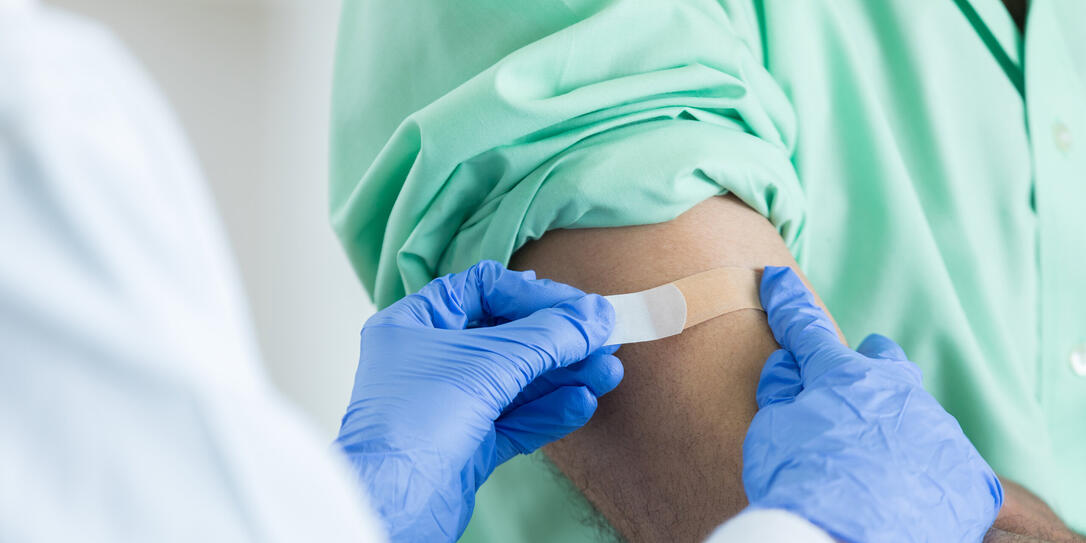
[(669, 309)]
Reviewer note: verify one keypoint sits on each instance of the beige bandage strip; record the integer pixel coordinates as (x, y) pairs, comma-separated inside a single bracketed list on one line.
[(669, 309)]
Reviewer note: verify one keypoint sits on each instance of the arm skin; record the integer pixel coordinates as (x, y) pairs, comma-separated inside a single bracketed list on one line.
[(995, 535), (661, 459), (1025, 513)]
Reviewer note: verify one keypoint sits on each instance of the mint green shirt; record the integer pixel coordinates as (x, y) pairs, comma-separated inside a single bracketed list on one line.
[(924, 161)]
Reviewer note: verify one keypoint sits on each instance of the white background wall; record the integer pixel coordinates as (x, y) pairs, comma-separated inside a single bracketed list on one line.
[(250, 81)]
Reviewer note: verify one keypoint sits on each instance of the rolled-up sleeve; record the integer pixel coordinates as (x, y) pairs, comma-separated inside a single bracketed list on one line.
[(463, 130)]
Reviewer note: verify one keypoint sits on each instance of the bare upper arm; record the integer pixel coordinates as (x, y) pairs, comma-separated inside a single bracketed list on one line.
[(661, 459)]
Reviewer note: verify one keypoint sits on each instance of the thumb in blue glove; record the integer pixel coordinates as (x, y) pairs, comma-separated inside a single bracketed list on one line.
[(851, 441), (472, 370)]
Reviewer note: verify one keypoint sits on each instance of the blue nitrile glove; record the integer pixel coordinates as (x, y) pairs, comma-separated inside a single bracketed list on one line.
[(851, 441), (474, 369)]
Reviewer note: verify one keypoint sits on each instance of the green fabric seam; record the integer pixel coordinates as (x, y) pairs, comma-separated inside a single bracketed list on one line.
[(1013, 71)]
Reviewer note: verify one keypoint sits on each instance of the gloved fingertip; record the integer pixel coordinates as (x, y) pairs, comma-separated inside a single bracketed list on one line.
[(996, 488), (773, 273), (498, 269), (781, 288), (580, 404), (780, 379), (489, 266), (797, 321), (568, 291), (491, 292), (605, 310), (881, 347), (600, 372), (771, 277), (608, 373), (483, 275), (597, 318), (547, 419)]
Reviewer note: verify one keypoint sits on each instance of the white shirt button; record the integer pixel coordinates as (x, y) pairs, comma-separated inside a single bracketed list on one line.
[(1078, 360), (1061, 136)]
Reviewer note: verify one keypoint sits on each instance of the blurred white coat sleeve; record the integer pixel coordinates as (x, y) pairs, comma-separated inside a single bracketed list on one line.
[(133, 406), (768, 526)]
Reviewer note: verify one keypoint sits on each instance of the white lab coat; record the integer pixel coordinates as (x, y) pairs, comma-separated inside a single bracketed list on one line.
[(133, 406)]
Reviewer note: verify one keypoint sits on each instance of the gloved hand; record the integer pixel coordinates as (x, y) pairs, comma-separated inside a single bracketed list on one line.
[(851, 441), (472, 370)]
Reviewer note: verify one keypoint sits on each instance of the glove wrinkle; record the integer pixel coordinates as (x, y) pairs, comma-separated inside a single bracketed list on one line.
[(855, 444), (437, 406)]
